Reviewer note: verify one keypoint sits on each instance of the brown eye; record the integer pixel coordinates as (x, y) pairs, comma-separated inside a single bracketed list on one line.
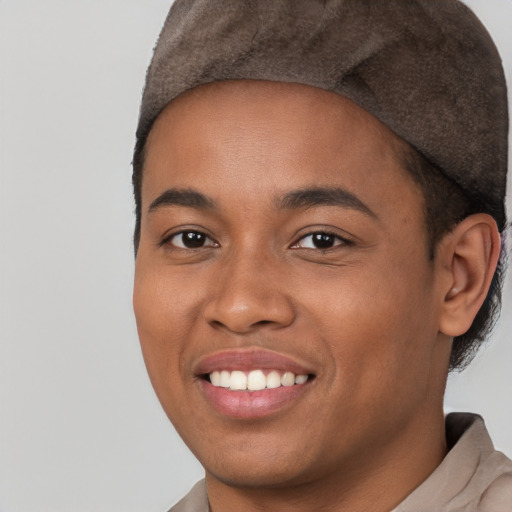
[(191, 240), (320, 240), (323, 240)]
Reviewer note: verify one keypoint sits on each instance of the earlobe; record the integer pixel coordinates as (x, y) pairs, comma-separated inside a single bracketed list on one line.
[(470, 255)]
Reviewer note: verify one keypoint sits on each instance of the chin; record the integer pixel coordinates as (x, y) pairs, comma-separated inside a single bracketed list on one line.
[(259, 462), (271, 474)]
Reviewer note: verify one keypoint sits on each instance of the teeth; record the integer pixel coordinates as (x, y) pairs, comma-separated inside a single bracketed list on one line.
[(238, 381), (215, 378), (225, 379), (300, 379), (255, 380), (273, 380), (288, 379)]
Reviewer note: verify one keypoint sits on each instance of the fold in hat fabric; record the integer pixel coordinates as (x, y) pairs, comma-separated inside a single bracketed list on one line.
[(427, 69)]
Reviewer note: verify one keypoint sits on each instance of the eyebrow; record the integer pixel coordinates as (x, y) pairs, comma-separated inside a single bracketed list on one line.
[(182, 197), (323, 196), (294, 200)]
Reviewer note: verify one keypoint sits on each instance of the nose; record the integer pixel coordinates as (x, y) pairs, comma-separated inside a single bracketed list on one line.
[(249, 293)]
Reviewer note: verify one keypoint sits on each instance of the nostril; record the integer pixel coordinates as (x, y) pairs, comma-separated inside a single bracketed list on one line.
[(240, 325), (241, 308), (216, 323)]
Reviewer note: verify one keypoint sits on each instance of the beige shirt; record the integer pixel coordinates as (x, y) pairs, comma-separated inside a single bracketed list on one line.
[(473, 477)]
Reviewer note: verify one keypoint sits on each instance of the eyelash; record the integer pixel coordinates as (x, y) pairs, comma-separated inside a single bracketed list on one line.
[(337, 240), (168, 240)]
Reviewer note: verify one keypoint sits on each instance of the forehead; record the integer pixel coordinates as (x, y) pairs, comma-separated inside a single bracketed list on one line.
[(272, 103), (239, 137)]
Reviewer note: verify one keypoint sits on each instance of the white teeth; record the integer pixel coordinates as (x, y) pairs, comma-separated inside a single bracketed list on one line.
[(215, 378), (273, 380), (300, 379), (255, 380), (238, 381), (288, 379), (225, 379)]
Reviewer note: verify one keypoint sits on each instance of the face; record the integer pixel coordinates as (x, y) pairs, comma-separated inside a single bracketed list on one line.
[(283, 248)]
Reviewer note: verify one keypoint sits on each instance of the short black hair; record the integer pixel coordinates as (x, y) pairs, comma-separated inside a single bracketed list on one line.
[(445, 205), (138, 167)]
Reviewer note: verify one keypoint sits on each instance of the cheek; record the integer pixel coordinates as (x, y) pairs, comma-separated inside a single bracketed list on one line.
[(378, 324), (163, 312), (165, 300)]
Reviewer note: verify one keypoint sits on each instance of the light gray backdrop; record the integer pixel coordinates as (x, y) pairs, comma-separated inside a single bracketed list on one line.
[(80, 428)]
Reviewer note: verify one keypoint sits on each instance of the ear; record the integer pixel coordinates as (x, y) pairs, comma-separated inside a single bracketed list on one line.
[(469, 254)]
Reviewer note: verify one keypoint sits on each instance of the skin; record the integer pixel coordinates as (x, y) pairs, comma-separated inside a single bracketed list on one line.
[(372, 317)]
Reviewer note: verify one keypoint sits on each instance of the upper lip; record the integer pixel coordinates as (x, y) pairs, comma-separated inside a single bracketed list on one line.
[(248, 359)]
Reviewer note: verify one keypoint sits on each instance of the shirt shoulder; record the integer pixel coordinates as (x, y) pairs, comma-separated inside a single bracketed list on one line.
[(195, 501), (473, 477), (498, 496)]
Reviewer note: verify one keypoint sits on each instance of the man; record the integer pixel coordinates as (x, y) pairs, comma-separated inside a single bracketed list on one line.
[(319, 190)]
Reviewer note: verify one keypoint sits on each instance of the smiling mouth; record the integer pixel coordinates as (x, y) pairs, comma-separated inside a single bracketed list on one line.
[(255, 393), (255, 380), (252, 383)]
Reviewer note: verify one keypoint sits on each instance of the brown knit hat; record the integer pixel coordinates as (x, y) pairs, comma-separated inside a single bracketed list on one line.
[(427, 69)]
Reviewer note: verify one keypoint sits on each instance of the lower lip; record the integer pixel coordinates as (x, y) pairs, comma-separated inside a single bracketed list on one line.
[(252, 404)]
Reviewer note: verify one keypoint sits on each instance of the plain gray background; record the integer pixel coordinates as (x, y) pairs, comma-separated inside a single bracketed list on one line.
[(80, 428)]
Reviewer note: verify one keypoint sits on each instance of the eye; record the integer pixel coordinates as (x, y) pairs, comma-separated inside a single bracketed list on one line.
[(320, 240), (190, 240)]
